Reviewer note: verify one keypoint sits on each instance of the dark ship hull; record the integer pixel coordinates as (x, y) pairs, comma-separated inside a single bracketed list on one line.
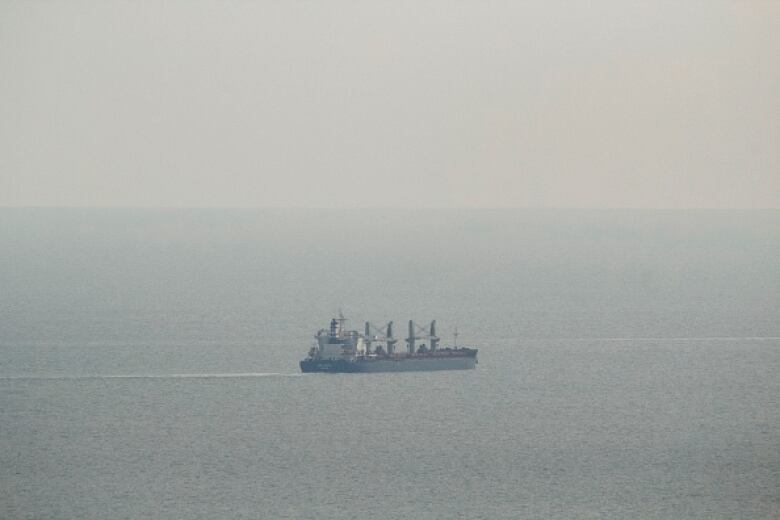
[(458, 359)]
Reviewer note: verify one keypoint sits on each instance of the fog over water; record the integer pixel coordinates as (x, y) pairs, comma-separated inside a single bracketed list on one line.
[(627, 368)]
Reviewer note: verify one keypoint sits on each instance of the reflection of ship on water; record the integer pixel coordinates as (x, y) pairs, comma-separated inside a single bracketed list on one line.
[(341, 350)]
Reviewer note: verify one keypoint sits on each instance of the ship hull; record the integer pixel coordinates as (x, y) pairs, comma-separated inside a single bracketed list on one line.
[(401, 364)]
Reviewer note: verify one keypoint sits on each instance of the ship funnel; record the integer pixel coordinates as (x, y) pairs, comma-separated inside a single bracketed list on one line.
[(333, 326)]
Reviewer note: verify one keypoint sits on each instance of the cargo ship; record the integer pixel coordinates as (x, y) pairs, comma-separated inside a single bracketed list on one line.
[(339, 350)]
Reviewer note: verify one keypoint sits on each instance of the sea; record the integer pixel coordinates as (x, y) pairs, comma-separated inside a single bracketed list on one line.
[(629, 364)]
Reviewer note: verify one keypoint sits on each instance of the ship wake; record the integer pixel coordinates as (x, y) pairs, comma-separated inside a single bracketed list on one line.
[(151, 376)]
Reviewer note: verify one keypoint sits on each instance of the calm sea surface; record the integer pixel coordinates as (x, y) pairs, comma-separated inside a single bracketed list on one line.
[(629, 365)]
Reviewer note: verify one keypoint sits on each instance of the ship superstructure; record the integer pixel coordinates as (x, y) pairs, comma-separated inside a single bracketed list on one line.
[(340, 350)]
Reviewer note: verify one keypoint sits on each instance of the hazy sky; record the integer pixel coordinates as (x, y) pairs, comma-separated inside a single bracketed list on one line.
[(390, 104)]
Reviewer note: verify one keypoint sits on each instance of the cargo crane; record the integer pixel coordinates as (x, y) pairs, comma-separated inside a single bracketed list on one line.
[(416, 332), (384, 335)]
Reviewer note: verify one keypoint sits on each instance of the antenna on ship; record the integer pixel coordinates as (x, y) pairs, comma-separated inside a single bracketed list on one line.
[(455, 334)]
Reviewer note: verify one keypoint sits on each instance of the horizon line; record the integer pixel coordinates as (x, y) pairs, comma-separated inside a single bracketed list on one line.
[(389, 208)]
